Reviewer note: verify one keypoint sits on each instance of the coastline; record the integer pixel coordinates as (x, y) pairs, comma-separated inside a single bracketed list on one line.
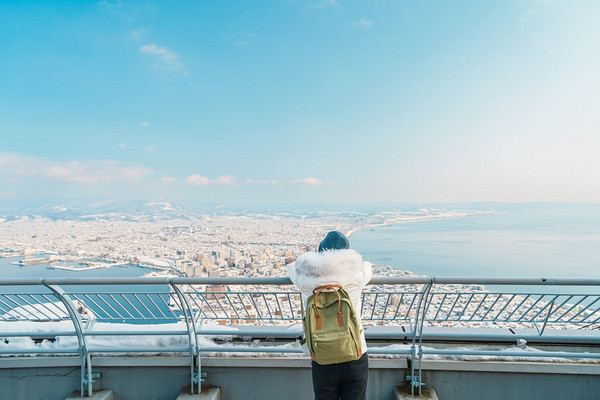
[(439, 217)]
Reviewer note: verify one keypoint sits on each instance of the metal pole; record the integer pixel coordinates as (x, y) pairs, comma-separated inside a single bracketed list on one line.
[(76, 319), (185, 307)]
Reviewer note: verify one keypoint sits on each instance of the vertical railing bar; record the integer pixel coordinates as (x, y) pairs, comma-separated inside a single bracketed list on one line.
[(258, 313), (194, 300), (243, 305), (143, 305), (198, 295), (111, 307), (205, 297), (279, 306), (440, 306), (108, 316), (141, 316), (414, 297), (574, 305), (561, 305), (516, 308), (548, 303), (530, 309), (541, 332), (465, 307), (60, 317), (149, 297), (593, 312), (362, 303), (220, 305), (119, 303), (492, 306), (170, 296), (34, 307), (563, 314), (478, 307), (232, 305), (2, 308), (453, 305), (289, 298), (15, 309), (374, 305), (503, 308), (267, 304), (400, 301), (387, 303)]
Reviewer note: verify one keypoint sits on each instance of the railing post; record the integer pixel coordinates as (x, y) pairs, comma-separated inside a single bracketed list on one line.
[(83, 348), (415, 379), (192, 334)]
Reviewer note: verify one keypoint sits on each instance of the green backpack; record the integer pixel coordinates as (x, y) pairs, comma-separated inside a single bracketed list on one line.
[(331, 328)]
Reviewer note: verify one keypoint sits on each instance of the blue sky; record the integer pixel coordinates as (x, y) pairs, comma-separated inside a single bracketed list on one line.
[(288, 101)]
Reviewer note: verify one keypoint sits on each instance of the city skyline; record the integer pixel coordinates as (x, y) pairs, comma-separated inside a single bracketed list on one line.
[(296, 101)]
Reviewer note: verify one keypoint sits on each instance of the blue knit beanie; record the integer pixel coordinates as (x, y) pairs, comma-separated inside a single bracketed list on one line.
[(334, 241)]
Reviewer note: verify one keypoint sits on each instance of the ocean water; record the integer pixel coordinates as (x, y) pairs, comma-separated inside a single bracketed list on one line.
[(549, 241), (8, 270)]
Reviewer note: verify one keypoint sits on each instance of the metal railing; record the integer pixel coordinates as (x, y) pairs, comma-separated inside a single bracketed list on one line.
[(408, 308)]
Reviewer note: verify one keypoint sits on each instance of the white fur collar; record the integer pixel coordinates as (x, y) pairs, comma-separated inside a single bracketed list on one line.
[(344, 267)]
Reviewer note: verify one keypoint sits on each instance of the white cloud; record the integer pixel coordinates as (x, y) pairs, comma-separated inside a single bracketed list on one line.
[(137, 33), (310, 181), (165, 58), (144, 124), (122, 146), (150, 148), (225, 180), (197, 180), (262, 181), (168, 179), (361, 23), (15, 167)]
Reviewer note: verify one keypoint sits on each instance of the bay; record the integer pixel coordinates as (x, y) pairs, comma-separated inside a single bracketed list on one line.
[(561, 241)]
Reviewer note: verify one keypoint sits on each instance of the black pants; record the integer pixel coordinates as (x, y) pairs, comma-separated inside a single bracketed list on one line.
[(347, 380)]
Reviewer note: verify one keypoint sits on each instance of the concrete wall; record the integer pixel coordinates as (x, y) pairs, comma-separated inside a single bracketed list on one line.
[(161, 378)]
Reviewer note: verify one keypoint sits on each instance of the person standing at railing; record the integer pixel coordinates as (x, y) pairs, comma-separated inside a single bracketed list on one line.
[(336, 264)]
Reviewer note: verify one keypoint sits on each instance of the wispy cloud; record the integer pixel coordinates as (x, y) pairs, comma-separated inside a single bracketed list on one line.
[(137, 33), (308, 181), (150, 148), (165, 58), (197, 180), (325, 4), (144, 124), (361, 23), (17, 167), (122, 146), (262, 181), (168, 179), (225, 180), (242, 43)]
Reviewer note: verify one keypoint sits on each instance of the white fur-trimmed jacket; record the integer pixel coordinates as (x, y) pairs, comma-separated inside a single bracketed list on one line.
[(333, 267)]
